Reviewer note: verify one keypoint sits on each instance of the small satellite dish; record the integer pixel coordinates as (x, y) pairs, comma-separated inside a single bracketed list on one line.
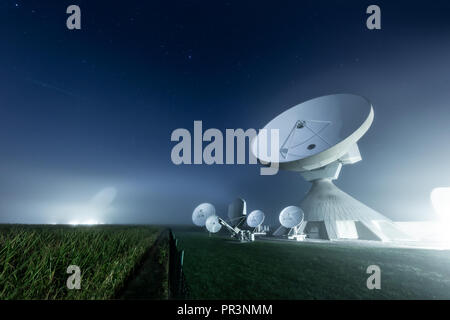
[(316, 133), (255, 218), (212, 224), (291, 216), (201, 213), (237, 210)]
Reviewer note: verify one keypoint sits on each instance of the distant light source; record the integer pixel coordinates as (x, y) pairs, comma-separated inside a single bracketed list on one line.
[(90, 213), (89, 222), (440, 199)]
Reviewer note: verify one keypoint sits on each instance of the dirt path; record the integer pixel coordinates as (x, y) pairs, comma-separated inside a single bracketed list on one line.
[(150, 281)]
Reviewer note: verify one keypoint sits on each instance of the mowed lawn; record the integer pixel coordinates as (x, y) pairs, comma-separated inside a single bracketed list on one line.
[(34, 259), (217, 268)]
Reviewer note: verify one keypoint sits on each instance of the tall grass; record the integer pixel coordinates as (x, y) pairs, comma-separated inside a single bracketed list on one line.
[(34, 259)]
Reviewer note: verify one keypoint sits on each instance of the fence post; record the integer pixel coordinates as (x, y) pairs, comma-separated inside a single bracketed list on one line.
[(176, 276), (180, 274)]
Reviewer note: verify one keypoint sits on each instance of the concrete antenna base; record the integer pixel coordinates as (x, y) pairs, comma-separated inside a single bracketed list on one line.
[(332, 214)]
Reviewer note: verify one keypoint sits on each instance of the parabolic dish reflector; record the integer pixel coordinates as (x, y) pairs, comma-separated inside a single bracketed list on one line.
[(316, 132), (255, 218), (201, 213), (212, 224), (291, 216)]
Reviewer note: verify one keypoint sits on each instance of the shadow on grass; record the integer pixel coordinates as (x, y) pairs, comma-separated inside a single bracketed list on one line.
[(150, 280)]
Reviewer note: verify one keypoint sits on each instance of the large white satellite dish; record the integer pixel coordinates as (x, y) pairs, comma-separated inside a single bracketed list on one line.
[(317, 138), (201, 213), (212, 224), (317, 132), (255, 218), (291, 216)]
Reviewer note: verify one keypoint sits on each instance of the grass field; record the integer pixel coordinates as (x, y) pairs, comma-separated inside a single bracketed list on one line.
[(34, 259), (217, 268)]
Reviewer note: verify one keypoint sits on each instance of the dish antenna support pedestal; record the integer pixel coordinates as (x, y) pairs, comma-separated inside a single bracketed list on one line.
[(241, 235), (296, 234)]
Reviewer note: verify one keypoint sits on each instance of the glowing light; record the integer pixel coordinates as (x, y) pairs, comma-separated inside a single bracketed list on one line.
[(89, 222), (440, 198), (89, 213), (104, 198), (435, 233)]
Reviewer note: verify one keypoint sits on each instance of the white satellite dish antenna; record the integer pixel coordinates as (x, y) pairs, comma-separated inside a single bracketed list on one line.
[(201, 213), (316, 138), (237, 211), (205, 215), (255, 218), (212, 224), (291, 216), (318, 132)]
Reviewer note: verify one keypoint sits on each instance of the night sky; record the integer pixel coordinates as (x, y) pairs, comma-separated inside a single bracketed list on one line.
[(82, 110)]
